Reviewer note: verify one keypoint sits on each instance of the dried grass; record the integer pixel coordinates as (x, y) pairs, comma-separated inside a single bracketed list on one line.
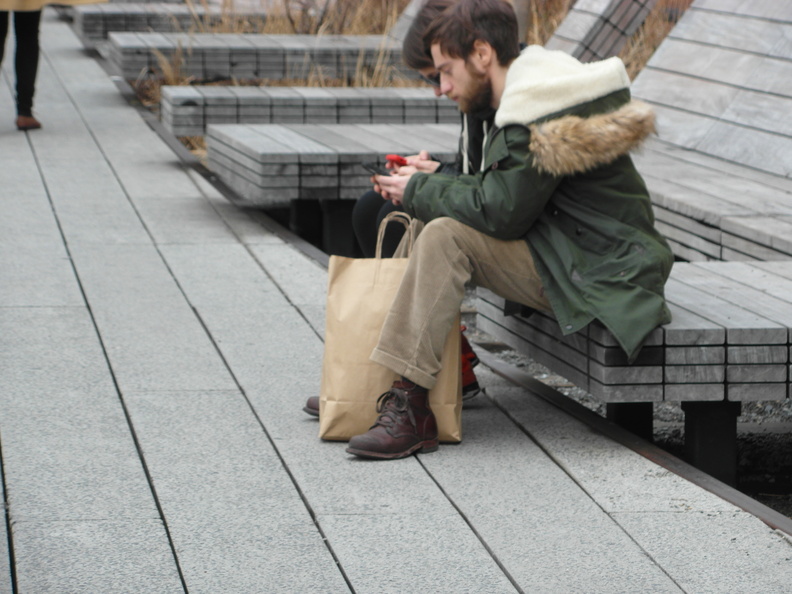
[(545, 16), (655, 29), (359, 17), (347, 17)]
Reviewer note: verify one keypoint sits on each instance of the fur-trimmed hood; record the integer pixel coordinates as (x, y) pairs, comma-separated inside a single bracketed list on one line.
[(541, 83), (572, 144)]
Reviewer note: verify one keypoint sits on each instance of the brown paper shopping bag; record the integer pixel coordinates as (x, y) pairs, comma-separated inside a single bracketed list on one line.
[(359, 294)]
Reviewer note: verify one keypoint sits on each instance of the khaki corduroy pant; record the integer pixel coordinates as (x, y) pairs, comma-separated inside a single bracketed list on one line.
[(447, 255)]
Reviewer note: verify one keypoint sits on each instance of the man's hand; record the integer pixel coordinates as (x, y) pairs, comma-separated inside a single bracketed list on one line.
[(392, 186), (423, 162)]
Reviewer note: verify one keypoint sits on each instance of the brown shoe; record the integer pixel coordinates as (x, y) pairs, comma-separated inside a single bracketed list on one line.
[(312, 406), (27, 123), (406, 425)]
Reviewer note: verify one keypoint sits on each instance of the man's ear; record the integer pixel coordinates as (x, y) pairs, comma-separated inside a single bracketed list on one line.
[(482, 55)]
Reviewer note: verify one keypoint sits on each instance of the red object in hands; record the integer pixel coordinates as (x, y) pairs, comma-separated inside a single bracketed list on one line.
[(397, 160)]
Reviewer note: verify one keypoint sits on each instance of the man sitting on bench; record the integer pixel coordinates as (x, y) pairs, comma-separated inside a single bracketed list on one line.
[(557, 219)]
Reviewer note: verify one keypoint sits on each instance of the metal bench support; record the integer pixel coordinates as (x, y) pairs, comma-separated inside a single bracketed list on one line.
[(636, 417), (711, 438)]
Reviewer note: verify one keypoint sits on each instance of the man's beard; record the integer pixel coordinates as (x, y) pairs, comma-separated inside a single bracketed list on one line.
[(478, 96)]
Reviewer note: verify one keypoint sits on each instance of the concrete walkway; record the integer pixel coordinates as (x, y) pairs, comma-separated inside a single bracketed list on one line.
[(157, 344)]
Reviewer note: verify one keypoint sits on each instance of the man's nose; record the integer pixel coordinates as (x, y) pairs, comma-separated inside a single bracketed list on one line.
[(437, 91), (445, 85)]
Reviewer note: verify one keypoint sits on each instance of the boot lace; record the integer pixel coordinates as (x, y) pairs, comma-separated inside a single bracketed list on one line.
[(392, 407)]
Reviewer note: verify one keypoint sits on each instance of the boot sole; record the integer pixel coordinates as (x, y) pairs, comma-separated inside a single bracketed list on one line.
[(426, 447), (311, 411)]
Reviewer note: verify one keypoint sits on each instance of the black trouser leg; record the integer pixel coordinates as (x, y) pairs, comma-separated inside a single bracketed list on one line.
[(367, 214), (26, 29), (3, 32)]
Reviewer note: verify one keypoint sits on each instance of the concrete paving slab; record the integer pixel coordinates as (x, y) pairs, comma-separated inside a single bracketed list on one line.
[(121, 132), (245, 229), (70, 457), (272, 381), (183, 220), (152, 337), (536, 519), (235, 517), (302, 280), (720, 551), (77, 177), (615, 477), (40, 278), (438, 555), (95, 556), (6, 582), (67, 450), (27, 219)]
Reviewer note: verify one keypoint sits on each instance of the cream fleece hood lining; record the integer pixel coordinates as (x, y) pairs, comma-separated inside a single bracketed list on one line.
[(541, 82)]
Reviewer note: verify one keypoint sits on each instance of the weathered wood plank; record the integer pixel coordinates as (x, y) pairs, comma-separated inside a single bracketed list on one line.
[(736, 291), (731, 30), (626, 393), (742, 326), (775, 232)]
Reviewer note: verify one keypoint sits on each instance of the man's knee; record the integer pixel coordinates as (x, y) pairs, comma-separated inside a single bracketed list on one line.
[(442, 230)]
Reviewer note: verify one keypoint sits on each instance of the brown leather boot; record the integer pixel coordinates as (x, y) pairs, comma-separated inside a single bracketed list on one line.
[(406, 425)]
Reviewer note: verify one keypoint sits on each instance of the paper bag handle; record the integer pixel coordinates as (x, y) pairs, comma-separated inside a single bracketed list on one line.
[(404, 219)]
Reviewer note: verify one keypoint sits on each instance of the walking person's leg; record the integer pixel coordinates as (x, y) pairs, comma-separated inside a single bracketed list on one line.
[(26, 29), (3, 33)]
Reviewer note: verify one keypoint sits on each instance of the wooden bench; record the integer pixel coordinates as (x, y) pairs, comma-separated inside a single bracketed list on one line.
[(729, 342), (308, 176), (270, 165), (210, 56), (719, 170), (93, 22), (719, 179), (188, 110)]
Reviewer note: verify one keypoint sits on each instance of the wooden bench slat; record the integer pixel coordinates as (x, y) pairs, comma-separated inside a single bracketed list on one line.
[(739, 248), (694, 392), (694, 374), (757, 392), (658, 149), (732, 289), (711, 188), (706, 62), (773, 231), (730, 30), (757, 354), (695, 355), (742, 326), (626, 393), (756, 148), (492, 320), (708, 249)]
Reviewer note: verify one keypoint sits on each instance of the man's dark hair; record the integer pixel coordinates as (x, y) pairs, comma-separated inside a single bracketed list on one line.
[(458, 27), (415, 52)]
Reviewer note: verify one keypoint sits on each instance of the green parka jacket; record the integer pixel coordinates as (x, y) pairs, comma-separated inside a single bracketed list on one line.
[(557, 174)]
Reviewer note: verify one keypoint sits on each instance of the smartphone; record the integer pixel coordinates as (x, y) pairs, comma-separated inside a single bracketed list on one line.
[(397, 160), (375, 169)]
